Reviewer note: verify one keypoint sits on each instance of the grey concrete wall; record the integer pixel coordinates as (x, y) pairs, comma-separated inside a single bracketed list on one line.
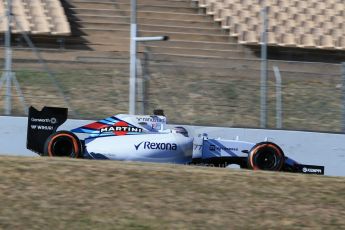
[(13, 134), (305, 147)]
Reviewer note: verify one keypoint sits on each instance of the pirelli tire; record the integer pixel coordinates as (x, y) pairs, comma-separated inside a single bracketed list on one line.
[(266, 156), (63, 144)]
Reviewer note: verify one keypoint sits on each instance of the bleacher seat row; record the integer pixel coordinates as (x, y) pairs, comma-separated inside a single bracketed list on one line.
[(292, 23), (36, 17)]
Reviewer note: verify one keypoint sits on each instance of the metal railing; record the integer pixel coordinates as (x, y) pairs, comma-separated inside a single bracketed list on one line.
[(190, 94)]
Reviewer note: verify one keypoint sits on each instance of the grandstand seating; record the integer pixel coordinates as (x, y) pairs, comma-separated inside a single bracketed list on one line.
[(36, 17), (305, 24)]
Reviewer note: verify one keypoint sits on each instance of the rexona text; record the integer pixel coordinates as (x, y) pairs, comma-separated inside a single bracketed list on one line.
[(158, 146)]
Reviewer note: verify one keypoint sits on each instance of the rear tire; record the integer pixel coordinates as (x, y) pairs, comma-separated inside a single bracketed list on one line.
[(63, 144), (266, 156)]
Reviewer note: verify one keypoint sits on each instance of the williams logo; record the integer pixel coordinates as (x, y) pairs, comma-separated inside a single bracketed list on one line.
[(151, 119), (212, 148), (156, 146), (218, 148)]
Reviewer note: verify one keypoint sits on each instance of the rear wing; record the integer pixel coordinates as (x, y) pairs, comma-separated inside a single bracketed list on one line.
[(41, 124)]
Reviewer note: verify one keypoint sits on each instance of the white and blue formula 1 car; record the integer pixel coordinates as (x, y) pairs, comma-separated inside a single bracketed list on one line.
[(146, 138)]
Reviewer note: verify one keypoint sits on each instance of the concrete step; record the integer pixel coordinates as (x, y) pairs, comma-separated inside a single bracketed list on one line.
[(120, 43), (111, 35), (182, 29), (148, 27), (64, 55), (141, 14), (198, 44), (60, 47), (101, 39), (140, 7), (111, 50), (181, 3), (197, 51), (81, 18), (206, 22), (170, 43), (173, 50), (156, 21), (52, 39)]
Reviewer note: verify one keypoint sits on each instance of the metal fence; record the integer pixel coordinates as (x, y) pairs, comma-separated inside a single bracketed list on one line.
[(192, 89), (208, 92)]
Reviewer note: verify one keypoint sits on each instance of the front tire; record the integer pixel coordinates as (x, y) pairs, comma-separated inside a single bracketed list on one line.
[(266, 156), (63, 144)]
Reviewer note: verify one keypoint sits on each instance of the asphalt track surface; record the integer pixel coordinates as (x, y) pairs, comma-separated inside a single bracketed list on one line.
[(305, 147)]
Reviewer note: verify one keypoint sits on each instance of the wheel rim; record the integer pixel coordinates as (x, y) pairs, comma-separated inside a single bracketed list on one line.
[(63, 147), (267, 160), (267, 157)]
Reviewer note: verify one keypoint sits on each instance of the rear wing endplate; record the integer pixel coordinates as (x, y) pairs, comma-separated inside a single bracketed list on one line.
[(41, 124)]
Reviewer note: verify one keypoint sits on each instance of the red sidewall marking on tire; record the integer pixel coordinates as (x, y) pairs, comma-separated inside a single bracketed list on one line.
[(75, 144), (257, 149)]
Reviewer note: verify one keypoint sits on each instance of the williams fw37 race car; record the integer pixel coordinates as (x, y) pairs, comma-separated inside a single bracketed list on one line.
[(146, 138)]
